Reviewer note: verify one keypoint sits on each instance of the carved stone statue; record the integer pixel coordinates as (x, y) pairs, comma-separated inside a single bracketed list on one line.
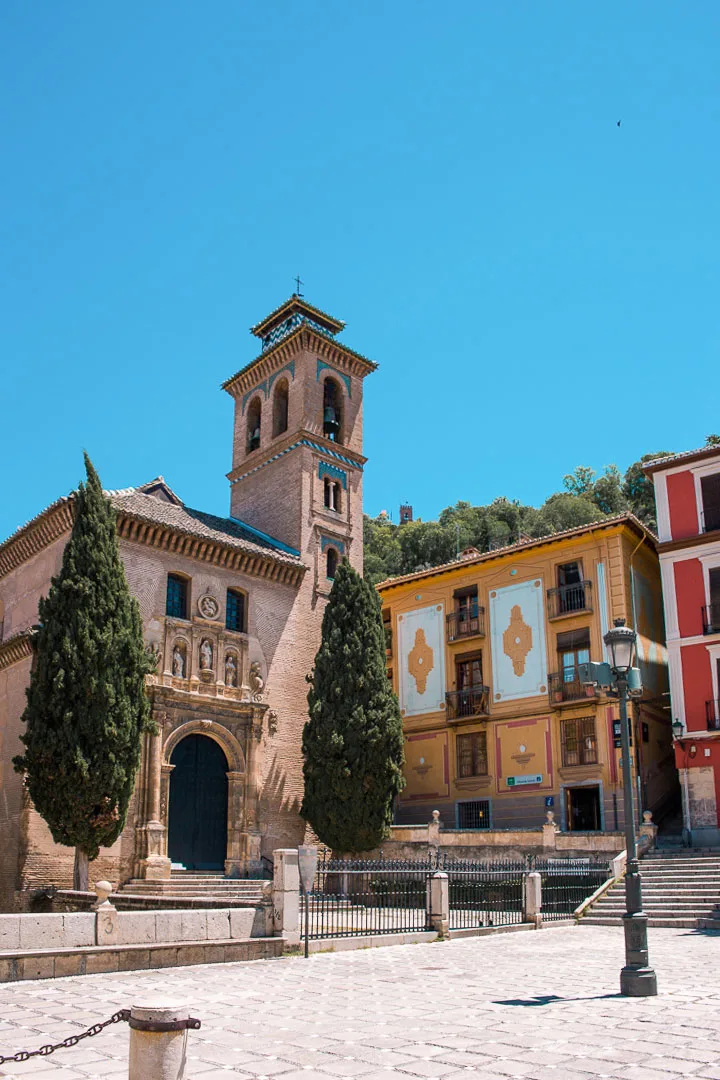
[(230, 670), (178, 662), (206, 655), (272, 722), (256, 681)]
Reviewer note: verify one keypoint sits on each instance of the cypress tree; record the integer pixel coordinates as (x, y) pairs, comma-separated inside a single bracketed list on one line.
[(353, 740), (86, 704)]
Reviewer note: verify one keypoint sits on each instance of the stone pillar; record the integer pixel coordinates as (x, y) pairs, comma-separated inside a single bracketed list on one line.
[(550, 830), (158, 1055), (155, 866), (107, 928), (249, 840), (286, 895), (532, 900), (648, 830), (237, 836), (438, 903), (434, 832)]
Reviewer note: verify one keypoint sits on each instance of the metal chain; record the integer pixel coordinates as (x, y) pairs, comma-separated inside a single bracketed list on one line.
[(72, 1040)]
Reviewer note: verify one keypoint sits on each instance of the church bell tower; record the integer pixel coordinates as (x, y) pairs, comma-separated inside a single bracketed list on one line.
[(297, 445)]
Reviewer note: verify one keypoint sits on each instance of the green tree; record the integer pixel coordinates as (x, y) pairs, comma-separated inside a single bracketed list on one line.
[(607, 492), (712, 440), (581, 481), (353, 741), (565, 511), (639, 491), (86, 703), (383, 554)]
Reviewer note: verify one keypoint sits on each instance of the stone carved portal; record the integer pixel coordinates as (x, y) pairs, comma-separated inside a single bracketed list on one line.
[(421, 661), (517, 640)]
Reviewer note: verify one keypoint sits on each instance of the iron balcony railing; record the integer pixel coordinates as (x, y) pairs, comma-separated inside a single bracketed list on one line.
[(565, 685), (568, 599), (463, 624), (712, 714), (388, 641), (711, 619), (463, 703)]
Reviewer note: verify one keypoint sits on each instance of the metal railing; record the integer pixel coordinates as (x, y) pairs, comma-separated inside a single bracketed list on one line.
[(485, 893), (463, 703), (712, 714), (354, 897), (568, 599), (565, 688), (463, 624), (711, 619), (566, 883)]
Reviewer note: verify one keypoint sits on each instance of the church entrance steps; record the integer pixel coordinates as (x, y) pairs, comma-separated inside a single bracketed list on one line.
[(91, 960), (195, 888), (70, 900), (680, 889)]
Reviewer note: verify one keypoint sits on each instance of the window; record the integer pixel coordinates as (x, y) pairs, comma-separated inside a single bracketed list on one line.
[(710, 487), (235, 610), (579, 745), (331, 562), (331, 496), (177, 590), (473, 815), (332, 411), (571, 588), (466, 605), (280, 408), (573, 649), (468, 672), (472, 754), (253, 425), (387, 627)]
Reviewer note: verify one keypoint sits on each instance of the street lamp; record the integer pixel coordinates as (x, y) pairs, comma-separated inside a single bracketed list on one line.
[(678, 728), (637, 978)]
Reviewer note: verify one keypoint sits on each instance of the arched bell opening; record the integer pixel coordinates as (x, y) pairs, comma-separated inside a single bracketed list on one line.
[(280, 408), (253, 424), (332, 411)]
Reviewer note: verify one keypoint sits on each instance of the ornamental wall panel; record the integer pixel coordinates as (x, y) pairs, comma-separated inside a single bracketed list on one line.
[(421, 644), (517, 629)]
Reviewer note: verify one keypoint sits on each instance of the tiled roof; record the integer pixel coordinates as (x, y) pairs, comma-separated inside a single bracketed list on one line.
[(523, 545), (227, 531), (685, 455)]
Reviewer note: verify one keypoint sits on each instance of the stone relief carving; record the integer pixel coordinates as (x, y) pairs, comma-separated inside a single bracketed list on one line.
[(256, 681), (206, 655), (179, 661), (272, 722), (208, 606), (231, 674)]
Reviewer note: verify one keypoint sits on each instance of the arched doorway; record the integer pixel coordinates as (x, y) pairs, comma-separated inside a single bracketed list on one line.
[(197, 812)]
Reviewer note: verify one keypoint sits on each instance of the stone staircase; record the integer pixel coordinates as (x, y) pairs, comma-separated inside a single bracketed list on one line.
[(681, 888), (195, 889)]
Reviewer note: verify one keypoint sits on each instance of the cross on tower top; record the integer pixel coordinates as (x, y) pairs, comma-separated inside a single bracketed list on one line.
[(298, 283)]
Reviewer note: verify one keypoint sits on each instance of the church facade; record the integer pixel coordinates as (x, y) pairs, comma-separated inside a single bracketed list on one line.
[(232, 609)]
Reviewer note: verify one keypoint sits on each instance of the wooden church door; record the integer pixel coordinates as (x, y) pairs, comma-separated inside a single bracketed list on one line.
[(197, 826)]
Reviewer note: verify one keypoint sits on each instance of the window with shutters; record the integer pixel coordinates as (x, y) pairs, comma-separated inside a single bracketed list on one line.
[(472, 754), (235, 610), (176, 605), (578, 741)]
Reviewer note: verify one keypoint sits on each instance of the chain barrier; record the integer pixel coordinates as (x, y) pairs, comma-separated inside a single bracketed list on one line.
[(72, 1040)]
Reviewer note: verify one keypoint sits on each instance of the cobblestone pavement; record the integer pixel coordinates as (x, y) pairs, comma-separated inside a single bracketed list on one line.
[(537, 1005)]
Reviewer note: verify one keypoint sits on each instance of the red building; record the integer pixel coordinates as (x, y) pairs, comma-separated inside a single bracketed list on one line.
[(687, 496)]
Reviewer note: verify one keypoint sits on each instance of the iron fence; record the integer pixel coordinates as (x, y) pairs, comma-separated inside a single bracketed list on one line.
[(354, 897), (484, 893), (567, 882)]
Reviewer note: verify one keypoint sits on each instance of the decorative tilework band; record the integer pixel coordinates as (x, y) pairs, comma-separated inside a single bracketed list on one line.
[(321, 365), (326, 469), (301, 442), (330, 541)]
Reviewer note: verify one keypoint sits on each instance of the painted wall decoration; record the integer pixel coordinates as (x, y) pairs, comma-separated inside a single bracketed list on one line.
[(421, 644), (518, 641), (427, 766), (523, 755)]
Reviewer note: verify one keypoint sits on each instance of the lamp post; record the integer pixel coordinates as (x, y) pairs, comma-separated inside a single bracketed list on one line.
[(637, 978)]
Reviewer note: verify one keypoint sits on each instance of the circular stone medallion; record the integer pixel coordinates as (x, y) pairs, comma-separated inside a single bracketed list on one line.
[(208, 607)]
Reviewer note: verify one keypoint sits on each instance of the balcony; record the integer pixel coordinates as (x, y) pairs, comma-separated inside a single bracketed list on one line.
[(569, 599), (712, 714), (465, 624), (566, 686), (388, 642), (711, 619), (462, 704)]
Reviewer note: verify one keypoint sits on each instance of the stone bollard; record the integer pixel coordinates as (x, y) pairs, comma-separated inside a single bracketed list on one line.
[(107, 925), (286, 895), (158, 1042), (532, 900), (438, 905), (648, 831), (434, 833)]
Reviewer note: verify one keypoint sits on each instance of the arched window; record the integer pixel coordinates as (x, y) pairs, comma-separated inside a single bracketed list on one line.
[(332, 411), (235, 609), (332, 559), (332, 494), (176, 605), (253, 425), (280, 408)]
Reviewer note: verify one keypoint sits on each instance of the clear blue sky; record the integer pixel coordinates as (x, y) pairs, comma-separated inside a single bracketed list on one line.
[(539, 286)]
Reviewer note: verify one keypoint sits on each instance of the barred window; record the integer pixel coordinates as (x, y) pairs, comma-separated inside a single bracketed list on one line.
[(579, 744), (176, 604), (235, 610), (473, 815), (472, 754)]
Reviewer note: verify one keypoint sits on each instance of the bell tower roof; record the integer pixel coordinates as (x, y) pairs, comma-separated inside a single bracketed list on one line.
[(289, 316)]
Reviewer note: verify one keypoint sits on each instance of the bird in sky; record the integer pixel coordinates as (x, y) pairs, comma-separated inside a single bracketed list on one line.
[(618, 123)]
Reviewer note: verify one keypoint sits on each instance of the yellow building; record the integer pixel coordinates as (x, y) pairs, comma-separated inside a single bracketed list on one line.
[(483, 653)]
